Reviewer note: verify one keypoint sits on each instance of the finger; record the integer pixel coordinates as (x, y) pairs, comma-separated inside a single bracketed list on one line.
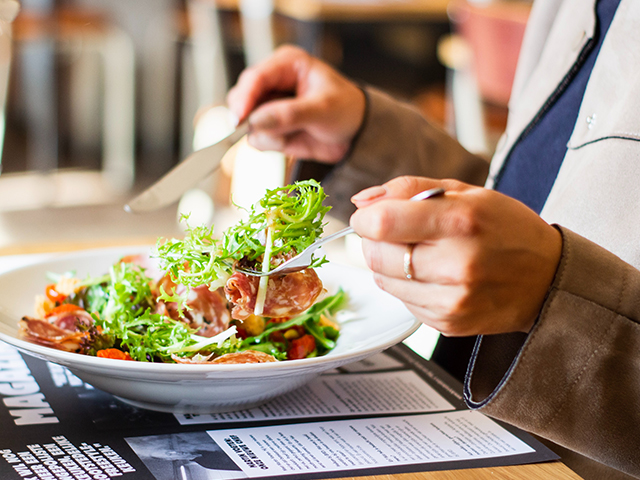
[(444, 325), (368, 195), (404, 221), (283, 117), (279, 73), (298, 145), (266, 142), (461, 322), (304, 145), (439, 306), (439, 261), (403, 187)]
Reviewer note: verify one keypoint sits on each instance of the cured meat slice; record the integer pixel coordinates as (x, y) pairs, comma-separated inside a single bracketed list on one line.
[(287, 295), (168, 286), (68, 317), (246, 356), (207, 310), (195, 360), (50, 335), (150, 265)]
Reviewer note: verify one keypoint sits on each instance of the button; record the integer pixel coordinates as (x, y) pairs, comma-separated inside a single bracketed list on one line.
[(591, 121)]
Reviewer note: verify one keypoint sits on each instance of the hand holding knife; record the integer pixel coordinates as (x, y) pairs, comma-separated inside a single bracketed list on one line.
[(192, 169)]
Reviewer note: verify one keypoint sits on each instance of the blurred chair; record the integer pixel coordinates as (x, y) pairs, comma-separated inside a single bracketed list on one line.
[(8, 11), (257, 29), (43, 33), (206, 56), (254, 171), (481, 58), (204, 66)]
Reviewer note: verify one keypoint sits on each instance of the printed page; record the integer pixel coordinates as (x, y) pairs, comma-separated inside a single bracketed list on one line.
[(346, 445), (343, 395), (377, 362)]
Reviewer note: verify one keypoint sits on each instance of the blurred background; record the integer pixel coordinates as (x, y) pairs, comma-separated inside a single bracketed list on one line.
[(101, 95), (100, 98)]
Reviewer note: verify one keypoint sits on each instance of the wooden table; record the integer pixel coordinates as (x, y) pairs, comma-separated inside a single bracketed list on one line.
[(541, 471)]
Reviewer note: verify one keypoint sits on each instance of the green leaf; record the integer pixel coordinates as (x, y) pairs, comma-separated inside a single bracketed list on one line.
[(293, 215)]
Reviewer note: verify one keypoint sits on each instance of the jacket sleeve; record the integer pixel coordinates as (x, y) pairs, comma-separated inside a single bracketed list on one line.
[(395, 139), (575, 378)]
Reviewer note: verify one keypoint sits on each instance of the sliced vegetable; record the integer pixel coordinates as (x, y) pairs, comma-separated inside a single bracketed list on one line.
[(53, 295), (64, 308), (113, 353)]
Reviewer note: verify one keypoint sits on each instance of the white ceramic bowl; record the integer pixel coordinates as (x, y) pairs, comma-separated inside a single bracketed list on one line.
[(381, 321)]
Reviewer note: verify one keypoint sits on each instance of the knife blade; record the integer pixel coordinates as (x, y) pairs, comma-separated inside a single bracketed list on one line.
[(185, 175)]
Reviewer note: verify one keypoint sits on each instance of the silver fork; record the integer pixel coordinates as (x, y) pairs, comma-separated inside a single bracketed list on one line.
[(303, 259)]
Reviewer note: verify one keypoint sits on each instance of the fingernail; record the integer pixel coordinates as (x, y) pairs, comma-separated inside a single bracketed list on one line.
[(234, 119), (263, 120), (369, 194)]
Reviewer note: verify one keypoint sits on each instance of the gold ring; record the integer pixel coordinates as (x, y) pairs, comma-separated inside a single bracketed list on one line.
[(408, 257)]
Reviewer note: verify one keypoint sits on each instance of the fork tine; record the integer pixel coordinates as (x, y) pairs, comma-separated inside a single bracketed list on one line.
[(301, 260)]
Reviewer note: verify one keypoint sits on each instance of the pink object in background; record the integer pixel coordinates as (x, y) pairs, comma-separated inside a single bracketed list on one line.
[(494, 30)]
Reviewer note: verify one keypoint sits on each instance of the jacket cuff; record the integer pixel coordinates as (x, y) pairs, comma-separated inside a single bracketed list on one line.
[(561, 380)]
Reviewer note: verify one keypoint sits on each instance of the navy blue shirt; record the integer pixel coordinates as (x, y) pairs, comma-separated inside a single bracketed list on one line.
[(532, 165)]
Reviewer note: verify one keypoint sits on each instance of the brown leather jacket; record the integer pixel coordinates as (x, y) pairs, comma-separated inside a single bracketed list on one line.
[(575, 378)]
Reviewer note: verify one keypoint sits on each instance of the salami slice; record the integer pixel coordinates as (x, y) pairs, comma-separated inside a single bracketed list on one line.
[(207, 310), (50, 335), (287, 295), (247, 356)]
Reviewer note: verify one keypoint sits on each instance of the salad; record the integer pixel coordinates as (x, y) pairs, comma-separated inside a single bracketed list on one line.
[(189, 304)]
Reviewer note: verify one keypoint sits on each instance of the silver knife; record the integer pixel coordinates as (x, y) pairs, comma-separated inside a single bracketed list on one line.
[(185, 175)]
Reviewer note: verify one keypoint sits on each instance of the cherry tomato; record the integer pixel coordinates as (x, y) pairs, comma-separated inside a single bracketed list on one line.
[(301, 347), (113, 353)]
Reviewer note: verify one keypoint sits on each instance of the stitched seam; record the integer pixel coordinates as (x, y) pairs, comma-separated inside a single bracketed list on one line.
[(634, 137), (575, 382), (524, 352), (593, 354)]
